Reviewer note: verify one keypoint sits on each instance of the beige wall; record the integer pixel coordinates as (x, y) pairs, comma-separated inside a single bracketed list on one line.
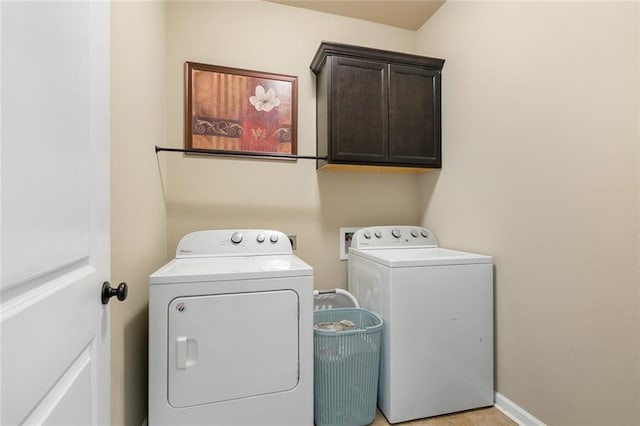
[(540, 147), (138, 218), (205, 193), (540, 170)]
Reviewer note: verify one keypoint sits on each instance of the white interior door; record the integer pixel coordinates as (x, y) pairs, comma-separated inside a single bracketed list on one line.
[(54, 194)]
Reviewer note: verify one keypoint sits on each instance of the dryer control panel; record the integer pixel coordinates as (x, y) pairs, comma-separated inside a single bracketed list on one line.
[(233, 242), (384, 237)]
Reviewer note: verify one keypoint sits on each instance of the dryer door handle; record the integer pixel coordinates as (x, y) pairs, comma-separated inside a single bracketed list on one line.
[(186, 352)]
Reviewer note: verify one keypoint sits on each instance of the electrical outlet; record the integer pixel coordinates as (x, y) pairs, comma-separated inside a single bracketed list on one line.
[(293, 240), (345, 240)]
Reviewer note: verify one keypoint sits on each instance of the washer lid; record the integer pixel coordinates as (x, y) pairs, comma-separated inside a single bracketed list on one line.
[(229, 268), (412, 257)]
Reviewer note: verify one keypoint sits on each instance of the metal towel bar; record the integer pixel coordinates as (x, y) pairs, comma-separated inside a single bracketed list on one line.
[(239, 154)]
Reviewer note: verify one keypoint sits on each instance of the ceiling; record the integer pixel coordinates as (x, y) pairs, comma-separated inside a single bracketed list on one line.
[(403, 14)]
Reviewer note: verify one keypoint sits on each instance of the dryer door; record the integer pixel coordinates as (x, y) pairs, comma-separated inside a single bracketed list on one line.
[(231, 346)]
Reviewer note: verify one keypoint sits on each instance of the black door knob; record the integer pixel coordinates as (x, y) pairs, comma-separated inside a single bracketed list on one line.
[(108, 292)]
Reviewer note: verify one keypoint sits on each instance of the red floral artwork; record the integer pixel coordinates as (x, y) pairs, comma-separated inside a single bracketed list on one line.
[(238, 110)]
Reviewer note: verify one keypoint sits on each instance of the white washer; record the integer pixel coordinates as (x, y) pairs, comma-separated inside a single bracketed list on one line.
[(231, 332), (437, 307)]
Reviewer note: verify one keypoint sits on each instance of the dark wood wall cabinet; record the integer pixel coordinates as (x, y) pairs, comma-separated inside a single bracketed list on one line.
[(377, 108)]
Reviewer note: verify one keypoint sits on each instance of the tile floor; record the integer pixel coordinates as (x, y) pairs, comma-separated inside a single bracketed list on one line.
[(490, 416)]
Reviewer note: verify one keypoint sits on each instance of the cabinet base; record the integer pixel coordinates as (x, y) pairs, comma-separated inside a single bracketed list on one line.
[(376, 169)]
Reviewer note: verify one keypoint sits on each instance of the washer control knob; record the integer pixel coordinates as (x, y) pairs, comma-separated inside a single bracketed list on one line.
[(395, 232), (367, 234), (424, 234), (236, 238), (378, 234), (260, 238), (273, 238), (414, 233)]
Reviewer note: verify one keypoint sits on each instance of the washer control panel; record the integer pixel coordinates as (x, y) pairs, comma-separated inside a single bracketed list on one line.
[(379, 237), (233, 242)]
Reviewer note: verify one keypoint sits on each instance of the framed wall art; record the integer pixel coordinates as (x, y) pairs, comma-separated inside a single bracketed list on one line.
[(230, 109)]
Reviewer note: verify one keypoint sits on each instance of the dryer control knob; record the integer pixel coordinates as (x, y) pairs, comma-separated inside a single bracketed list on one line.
[(260, 238), (378, 234), (273, 238), (367, 234), (395, 232), (236, 238)]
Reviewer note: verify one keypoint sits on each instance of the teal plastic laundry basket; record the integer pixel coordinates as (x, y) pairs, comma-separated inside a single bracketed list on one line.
[(346, 368)]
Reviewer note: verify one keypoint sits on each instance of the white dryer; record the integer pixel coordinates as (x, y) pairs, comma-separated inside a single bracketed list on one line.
[(231, 332), (437, 307)]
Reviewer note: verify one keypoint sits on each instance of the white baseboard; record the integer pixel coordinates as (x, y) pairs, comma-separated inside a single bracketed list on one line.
[(515, 412), (502, 403)]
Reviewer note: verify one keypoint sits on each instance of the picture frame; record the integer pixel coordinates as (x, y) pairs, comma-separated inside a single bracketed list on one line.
[(240, 111)]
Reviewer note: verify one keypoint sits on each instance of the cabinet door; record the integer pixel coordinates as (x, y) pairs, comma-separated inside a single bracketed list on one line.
[(359, 110), (414, 116)]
